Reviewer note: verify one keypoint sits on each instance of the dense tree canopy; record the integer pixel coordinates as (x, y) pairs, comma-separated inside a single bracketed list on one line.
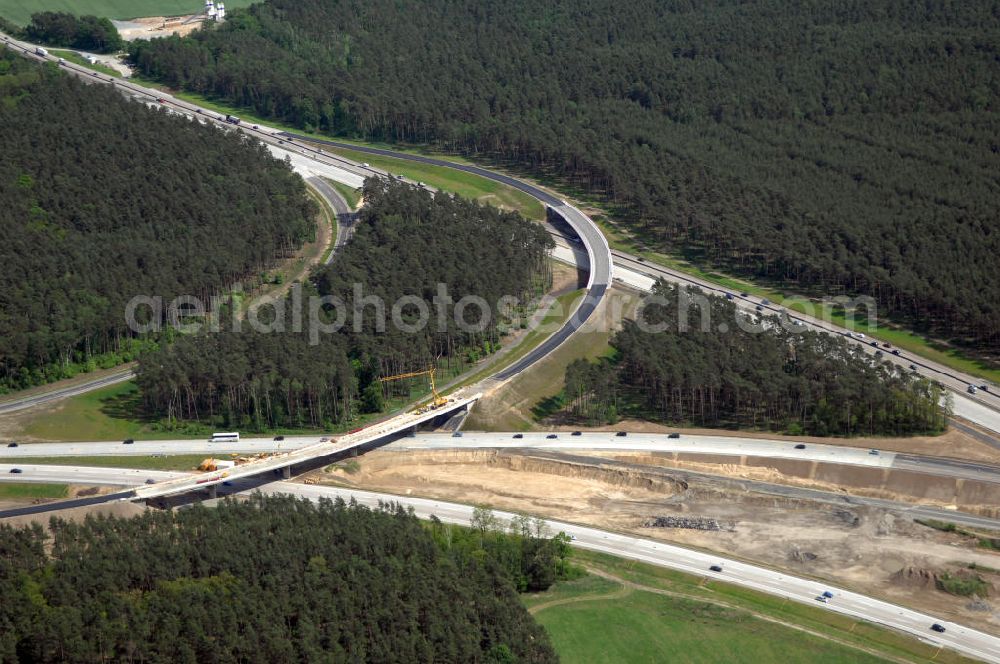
[(828, 146), (767, 375), (267, 580), (103, 199), (88, 33), (406, 243)]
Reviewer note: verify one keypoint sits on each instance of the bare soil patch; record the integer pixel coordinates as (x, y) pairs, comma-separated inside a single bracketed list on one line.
[(858, 547)]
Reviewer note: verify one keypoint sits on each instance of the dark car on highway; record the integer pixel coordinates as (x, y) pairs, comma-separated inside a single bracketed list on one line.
[(11, 444), (938, 627), (518, 435), (800, 446), (128, 441), (279, 438), (715, 568), (576, 433), (552, 435), (16, 471), (621, 434), (674, 435)]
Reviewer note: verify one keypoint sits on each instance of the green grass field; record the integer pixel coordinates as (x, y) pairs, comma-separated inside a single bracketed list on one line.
[(105, 414), (847, 639), (20, 11), (30, 491), (171, 462), (350, 194), (643, 627)]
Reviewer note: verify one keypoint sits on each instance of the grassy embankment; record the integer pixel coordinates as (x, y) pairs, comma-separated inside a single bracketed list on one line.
[(350, 194), (26, 491), (164, 462)]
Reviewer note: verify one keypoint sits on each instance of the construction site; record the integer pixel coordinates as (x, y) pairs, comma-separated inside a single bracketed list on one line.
[(812, 519)]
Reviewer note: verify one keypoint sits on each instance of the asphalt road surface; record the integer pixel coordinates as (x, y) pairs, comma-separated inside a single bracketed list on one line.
[(345, 216), (36, 400), (598, 252), (594, 441), (714, 445)]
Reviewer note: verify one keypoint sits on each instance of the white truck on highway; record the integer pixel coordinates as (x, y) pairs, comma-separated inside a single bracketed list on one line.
[(41, 51)]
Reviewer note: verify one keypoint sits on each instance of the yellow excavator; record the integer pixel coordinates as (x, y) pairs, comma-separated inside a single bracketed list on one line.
[(438, 399)]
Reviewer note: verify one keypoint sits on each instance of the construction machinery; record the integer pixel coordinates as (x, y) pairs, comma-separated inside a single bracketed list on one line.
[(438, 400)]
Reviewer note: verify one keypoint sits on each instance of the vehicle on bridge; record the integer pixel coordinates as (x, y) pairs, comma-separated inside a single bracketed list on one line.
[(225, 437)]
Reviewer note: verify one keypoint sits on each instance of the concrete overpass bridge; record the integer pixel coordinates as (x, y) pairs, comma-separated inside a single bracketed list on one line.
[(349, 444), (278, 466)]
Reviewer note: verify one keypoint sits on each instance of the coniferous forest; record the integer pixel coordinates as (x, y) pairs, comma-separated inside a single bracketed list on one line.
[(830, 147), (270, 580), (103, 199), (89, 33), (406, 242), (768, 378)]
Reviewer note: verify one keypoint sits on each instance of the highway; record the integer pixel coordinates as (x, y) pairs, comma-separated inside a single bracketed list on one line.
[(711, 445), (314, 163), (345, 216), (962, 639), (982, 409), (256, 475), (587, 441), (21, 403), (599, 262)]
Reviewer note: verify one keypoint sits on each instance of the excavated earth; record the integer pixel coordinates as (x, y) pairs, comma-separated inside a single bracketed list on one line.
[(762, 515)]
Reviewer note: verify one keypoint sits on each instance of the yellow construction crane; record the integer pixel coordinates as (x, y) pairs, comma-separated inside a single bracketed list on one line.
[(438, 399)]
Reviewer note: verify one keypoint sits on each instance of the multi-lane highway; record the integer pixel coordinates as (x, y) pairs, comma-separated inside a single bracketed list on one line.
[(962, 639), (587, 441), (707, 445), (983, 408), (314, 162)]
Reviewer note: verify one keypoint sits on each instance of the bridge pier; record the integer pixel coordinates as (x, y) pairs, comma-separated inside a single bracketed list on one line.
[(286, 472), (213, 492)]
